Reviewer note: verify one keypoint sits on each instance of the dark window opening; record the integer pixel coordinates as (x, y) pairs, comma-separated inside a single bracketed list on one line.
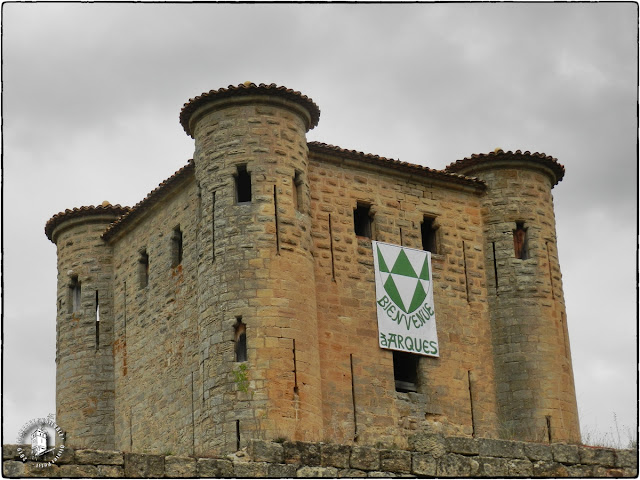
[(405, 371), (240, 339), (143, 269), (97, 321), (520, 246), (362, 221), (243, 185), (176, 247), (75, 294), (428, 233), (297, 192)]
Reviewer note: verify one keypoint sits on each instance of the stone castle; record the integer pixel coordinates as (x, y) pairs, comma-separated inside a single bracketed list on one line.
[(237, 300)]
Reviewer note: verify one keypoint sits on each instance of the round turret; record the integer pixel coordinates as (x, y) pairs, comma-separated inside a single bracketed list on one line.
[(256, 270), (534, 377), (84, 363)]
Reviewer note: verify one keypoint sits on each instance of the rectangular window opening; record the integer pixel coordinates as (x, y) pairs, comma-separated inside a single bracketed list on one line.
[(97, 321), (243, 185), (405, 371), (520, 246), (362, 221), (240, 340), (75, 294), (428, 233), (176, 247), (143, 268)]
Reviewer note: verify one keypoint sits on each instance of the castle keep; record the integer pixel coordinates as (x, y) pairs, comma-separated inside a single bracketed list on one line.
[(238, 299)]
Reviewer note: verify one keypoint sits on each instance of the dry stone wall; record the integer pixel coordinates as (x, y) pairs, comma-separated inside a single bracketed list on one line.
[(428, 455)]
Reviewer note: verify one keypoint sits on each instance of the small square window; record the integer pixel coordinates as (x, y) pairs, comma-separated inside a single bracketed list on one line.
[(405, 371), (362, 221)]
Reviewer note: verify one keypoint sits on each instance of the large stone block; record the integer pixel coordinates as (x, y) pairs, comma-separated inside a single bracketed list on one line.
[(462, 445), (538, 451), (397, 461), (13, 468), (250, 469), (317, 472), (179, 467), (491, 467), (334, 455), (488, 447), (627, 458), (565, 453), (214, 467), (454, 465), (549, 469), (365, 458), (594, 456), (277, 470), (428, 443), (423, 464), (140, 465), (99, 457), (264, 451)]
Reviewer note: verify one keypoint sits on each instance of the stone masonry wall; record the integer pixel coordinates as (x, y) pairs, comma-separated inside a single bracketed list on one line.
[(456, 390), (156, 335), (427, 456)]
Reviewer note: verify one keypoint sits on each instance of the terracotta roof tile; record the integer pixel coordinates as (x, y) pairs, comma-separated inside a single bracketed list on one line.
[(107, 209), (318, 147), (539, 158), (146, 203), (248, 88)]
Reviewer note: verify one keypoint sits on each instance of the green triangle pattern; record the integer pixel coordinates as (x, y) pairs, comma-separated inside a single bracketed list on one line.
[(403, 266), (382, 265), (392, 290), (418, 297), (424, 274)]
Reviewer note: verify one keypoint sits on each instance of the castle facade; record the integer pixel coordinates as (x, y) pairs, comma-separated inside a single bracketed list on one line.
[(238, 299)]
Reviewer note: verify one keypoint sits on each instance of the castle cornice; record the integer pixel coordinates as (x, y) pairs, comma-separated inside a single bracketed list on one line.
[(246, 89), (500, 158), (83, 214), (138, 210), (395, 166)]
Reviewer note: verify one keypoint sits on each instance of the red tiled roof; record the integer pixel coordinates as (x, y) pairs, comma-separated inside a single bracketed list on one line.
[(150, 200), (538, 158), (318, 147), (108, 210), (248, 89)]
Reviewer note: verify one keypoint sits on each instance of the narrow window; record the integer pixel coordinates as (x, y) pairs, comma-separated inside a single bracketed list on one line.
[(428, 233), (520, 241), (143, 268), (240, 338), (297, 192), (176, 247), (243, 185), (405, 371), (362, 221), (97, 321), (75, 293)]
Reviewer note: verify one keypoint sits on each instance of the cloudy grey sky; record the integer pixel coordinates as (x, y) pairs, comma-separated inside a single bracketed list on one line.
[(92, 93)]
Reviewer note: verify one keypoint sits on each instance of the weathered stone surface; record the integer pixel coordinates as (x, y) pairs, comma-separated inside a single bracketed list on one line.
[(594, 455), (454, 465), (77, 471), (428, 443), (317, 472), (351, 473), (99, 457), (139, 465), (335, 455), (580, 471), (381, 475), (491, 467), (462, 445), (488, 447), (279, 470), (250, 470), (397, 461), (538, 451), (365, 458), (263, 451), (214, 467), (627, 458), (301, 452), (519, 468), (565, 453), (423, 464), (179, 467), (544, 468), (600, 471), (13, 468), (10, 452)]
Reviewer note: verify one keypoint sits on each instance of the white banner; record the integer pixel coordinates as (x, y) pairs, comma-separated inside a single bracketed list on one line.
[(404, 298)]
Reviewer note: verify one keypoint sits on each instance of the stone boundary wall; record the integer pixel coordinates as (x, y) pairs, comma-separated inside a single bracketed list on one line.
[(430, 455)]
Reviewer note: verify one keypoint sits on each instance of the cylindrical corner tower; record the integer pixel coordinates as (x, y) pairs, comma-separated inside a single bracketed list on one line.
[(257, 303), (84, 360), (534, 376)]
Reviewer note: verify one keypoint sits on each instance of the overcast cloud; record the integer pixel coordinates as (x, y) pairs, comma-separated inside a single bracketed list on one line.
[(92, 93)]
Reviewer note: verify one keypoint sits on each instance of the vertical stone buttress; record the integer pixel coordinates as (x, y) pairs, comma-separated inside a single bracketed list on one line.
[(534, 376), (255, 266), (84, 326)]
